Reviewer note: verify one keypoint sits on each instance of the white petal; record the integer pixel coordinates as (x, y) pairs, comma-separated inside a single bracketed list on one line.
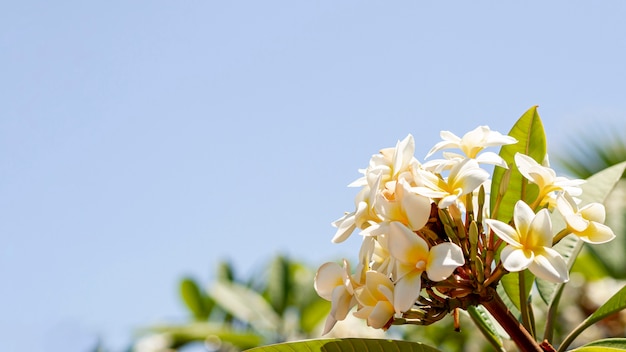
[(550, 266), (330, 323), (597, 233), (576, 222), (415, 206), (594, 212), (429, 192), (406, 291), (522, 217), (495, 138), (540, 231), (345, 226), (447, 201), (504, 231), (515, 259), (380, 315), (328, 276), (524, 162), (565, 204), (341, 303), (406, 246), (443, 259), (491, 158)]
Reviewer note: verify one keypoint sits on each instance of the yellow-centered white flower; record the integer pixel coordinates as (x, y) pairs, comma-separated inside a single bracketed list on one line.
[(413, 257), (335, 284), (529, 244), (546, 179), (586, 222), (399, 204), (464, 178), (472, 143), (375, 300)]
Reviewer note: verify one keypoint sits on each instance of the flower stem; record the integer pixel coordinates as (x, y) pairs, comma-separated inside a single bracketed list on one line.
[(522, 338)]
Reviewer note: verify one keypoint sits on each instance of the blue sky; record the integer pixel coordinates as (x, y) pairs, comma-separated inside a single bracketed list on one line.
[(142, 141)]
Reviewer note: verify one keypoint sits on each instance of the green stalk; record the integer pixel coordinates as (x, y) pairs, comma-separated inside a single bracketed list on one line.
[(523, 303)]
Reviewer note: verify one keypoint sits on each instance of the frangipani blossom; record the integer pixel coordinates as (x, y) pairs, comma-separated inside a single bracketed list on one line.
[(362, 217), (389, 164), (413, 257), (402, 205), (464, 178), (334, 283), (586, 222), (375, 300), (530, 244), (474, 142), (546, 179)]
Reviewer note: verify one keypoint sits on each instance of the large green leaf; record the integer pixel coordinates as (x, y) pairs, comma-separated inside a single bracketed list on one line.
[(531, 140), (595, 190), (339, 345), (246, 305), (613, 305), (605, 345)]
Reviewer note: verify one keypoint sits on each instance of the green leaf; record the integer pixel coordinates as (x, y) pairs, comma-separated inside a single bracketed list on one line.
[(183, 334), (595, 190), (246, 305), (613, 305), (528, 131), (313, 314), (485, 323), (278, 284), (510, 284), (354, 344), (608, 345), (194, 299), (225, 272)]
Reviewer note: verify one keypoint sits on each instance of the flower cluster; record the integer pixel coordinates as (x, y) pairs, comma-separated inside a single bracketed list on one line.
[(430, 243)]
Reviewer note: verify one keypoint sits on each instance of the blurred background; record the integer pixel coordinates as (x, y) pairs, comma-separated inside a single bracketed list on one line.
[(143, 144)]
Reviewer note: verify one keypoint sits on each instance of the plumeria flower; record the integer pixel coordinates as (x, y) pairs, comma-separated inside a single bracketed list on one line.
[(335, 284), (402, 205), (413, 257), (389, 164), (546, 179), (586, 222), (464, 178), (374, 254), (474, 142), (375, 300), (362, 217), (530, 244)]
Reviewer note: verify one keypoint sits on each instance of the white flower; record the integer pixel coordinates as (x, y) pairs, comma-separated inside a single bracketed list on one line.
[(334, 283), (530, 244), (474, 142), (389, 164), (402, 205), (362, 217), (413, 257), (375, 299), (464, 178), (546, 179), (586, 222)]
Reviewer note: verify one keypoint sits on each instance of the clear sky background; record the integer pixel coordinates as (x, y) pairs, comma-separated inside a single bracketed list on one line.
[(145, 140)]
